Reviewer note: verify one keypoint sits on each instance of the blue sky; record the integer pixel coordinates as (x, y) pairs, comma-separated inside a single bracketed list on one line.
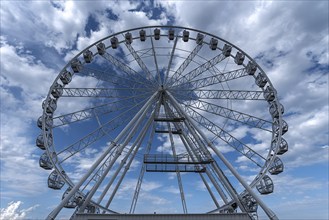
[(288, 39)]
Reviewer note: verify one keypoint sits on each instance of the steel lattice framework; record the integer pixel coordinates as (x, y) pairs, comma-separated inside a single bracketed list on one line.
[(125, 95)]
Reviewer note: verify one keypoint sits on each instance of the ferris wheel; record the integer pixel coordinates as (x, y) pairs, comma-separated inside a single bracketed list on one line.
[(162, 99)]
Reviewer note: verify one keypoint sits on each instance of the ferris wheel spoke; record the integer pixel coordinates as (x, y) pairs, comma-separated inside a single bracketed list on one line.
[(103, 109), (89, 139), (156, 63), (170, 61), (102, 92), (219, 94), (199, 70), (112, 77), (142, 65), (212, 80), (231, 114), (131, 73), (183, 66), (226, 137)]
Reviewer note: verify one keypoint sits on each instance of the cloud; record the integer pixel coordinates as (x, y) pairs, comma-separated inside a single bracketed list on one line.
[(13, 211)]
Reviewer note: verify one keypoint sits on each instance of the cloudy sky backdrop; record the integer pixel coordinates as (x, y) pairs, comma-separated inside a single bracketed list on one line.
[(289, 39)]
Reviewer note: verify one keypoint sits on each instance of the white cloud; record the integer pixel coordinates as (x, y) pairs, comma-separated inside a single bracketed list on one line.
[(14, 212)]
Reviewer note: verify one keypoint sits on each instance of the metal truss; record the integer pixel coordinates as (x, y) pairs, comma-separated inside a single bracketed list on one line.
[(212, 80), (231, 114), (248, 152), (219, 94), (113, 77), (170, 61), (136, 76), (183, 66), (140, 62), (199, 70), (95, 111), (100, 92), (96, 135)]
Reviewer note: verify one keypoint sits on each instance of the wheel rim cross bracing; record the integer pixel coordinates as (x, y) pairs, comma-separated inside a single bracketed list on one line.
[(162, 99)]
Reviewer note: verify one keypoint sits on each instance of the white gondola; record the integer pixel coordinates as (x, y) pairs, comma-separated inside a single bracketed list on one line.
[(50, 105), (261, 80), (276, 126), (101, 48), (251, 68), (40, 141), (48, 120), (249, 203), (274, 110), (129, 38), (142, 35), (276, 167), (57, 90), (45, 162), (76, 65), (171, 34), (239, 58), (199, 38), (281, 148), (265, 185), (39, 122), (186, 35), (88, 56), (213, 44), (55, 181), (73, 201), (114, 42), (66, 77), (227, 50), (157, 34), (269, 94)]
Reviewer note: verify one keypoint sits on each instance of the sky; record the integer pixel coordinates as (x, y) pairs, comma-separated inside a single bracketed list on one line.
[(288, 39)]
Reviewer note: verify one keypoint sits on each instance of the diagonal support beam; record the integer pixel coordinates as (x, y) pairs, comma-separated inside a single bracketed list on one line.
[(100, 92), (96, 134), (134, 75), (170, 61), (179, 179), (190, 94), (199, 70), (268, 211), (212, 80), (142, 65), (226, 137), (184, 65), (231, 114), (88, 113), (113, 77), (55, 212)]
